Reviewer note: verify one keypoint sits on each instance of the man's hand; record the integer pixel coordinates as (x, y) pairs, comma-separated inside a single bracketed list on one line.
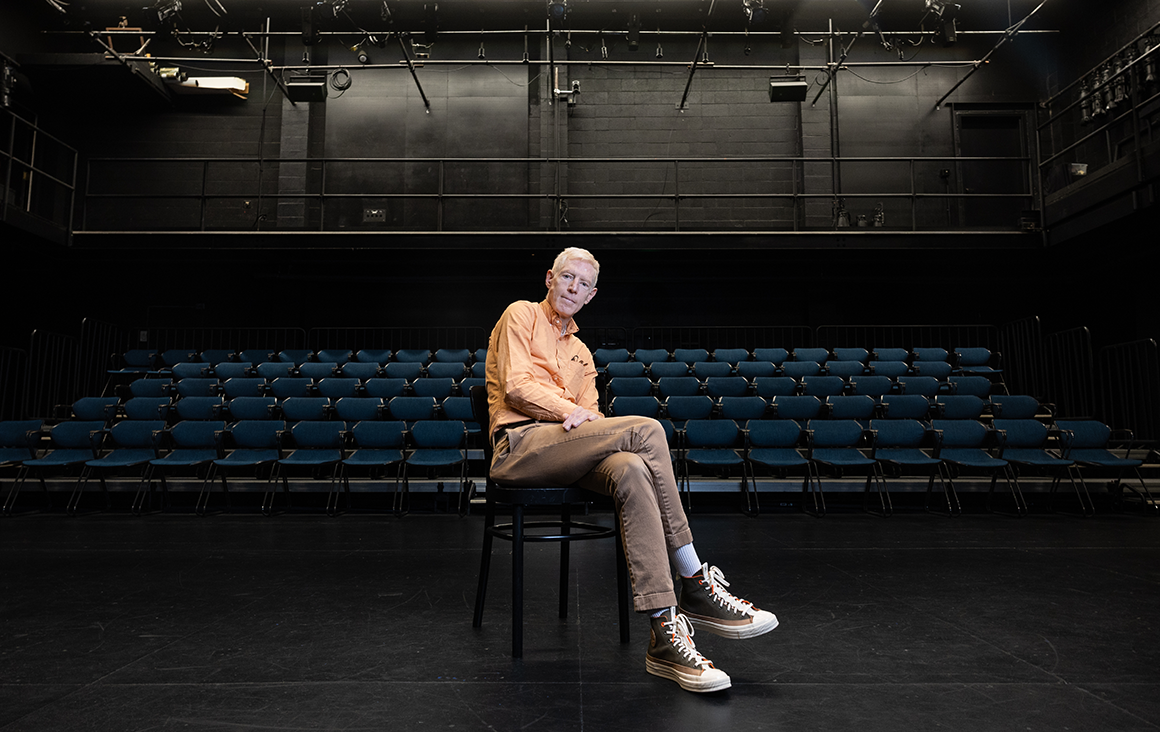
[(579, 416)]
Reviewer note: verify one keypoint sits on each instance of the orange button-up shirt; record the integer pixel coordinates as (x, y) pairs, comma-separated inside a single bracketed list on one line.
[(535, 371)]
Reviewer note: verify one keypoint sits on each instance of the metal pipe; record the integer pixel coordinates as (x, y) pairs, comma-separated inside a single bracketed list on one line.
[(701, 44), (1008, 35), (411, 66), (269, 69), (133, 69)]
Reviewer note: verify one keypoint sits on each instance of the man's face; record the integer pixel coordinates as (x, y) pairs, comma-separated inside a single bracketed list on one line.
[(571, 288)]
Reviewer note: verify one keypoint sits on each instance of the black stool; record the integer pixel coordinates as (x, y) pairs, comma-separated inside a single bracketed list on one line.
[(566, 531)]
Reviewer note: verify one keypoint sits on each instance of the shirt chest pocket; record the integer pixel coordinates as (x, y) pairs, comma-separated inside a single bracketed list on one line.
[(574, 372)]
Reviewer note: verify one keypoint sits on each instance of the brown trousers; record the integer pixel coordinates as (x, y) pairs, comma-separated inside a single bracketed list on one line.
[(626, 458)]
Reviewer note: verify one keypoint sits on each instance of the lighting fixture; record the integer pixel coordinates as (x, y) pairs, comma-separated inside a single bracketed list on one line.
[(755, 12), (557, 10)]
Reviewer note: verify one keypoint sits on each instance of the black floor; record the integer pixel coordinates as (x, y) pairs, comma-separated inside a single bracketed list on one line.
[(917, 622)]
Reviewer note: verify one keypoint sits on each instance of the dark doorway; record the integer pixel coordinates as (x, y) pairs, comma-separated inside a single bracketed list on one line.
[(992, 135)]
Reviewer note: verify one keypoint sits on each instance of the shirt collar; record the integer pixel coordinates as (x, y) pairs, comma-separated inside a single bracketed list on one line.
[(555, 318)]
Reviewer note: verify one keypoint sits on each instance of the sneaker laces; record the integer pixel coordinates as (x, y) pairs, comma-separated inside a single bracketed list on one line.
[(681, 638), (723, 597)]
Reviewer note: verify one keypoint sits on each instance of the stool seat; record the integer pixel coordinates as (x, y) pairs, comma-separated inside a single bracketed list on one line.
[(563, 530)]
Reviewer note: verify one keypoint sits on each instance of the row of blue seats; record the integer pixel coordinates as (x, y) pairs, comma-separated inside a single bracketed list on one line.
[(270, 370), (771, 386), (144, 359), (109, 410), (973, 358), (794, 369), (287, 386), (941, 449), (148, 448), (856, 407)]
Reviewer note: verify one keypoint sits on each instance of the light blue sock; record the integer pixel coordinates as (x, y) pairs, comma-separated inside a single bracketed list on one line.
[(687, 561)]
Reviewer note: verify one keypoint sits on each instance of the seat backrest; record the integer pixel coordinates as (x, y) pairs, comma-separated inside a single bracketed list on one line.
[(889, 369), (959, 406), (379, 434), (845, 368), (977, 356), (358, 409), (447, 370), (136, 432), (373, 355), (318, 369), (960, 432), (712, 433), (667, 369), (1014, 406), (650, 355), (291, 386), (413, 355), (433, 387), (682, 407), (774, 386), (926, 386), (297, 409), (1085, 433), (147, 407), (97, 408), (823, 386), (732, 356), (773, 432), (256, 434), (630, 386), (385, 388), (196, 433), (797, 407), (1022, 432), (678, 386), (799, 369), (640, 406), (360, 370), (605, 356), (478, 395), (935, 369), (337, 387), (930, 354), (409, 370), (726, 386), (872, 386), (743, 407), (411, 409), (296, 356), (706, 369), (905, 406), (625, 369), (835, 432), (756, 369), (338, 356), (774, 355), (690, 355), (851, 407), (898, 432), (442, 433), (453, 355), (75, 434), (318, 435), (19, 432), (245, 407), (890, 354), (860, 355), (817, 355), (980, 386)]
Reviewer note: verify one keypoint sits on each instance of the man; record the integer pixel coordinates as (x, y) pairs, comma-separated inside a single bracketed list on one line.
[(547, 429)]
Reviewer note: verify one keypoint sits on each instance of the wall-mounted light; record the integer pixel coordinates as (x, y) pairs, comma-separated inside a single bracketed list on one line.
[(557, 10), (755, 12)]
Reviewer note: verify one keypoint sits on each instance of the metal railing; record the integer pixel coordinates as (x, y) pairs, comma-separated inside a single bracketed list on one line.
[(761, 193), (39, 174), (13, 383), (1070, 372), (1129, 387)]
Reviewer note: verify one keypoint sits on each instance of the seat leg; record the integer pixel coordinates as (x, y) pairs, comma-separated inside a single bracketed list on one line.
[(484, 563), (75, 499), (17, 484), (517, 581), (886, 508), (812, 488), (144, 491), (565, 556)]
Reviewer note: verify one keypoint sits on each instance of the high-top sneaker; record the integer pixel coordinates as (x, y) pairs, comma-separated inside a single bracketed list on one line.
[(672, 655), (712, 608)]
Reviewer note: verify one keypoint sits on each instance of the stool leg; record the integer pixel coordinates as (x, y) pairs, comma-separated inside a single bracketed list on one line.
[(565, 530), (484, 565), (517, 581), (623, 595)]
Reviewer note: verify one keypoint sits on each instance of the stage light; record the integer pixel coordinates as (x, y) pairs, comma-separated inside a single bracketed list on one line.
[(755, 12), (557, 10), (362, 55), (634, 32), (163, 10), (787, 88)]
